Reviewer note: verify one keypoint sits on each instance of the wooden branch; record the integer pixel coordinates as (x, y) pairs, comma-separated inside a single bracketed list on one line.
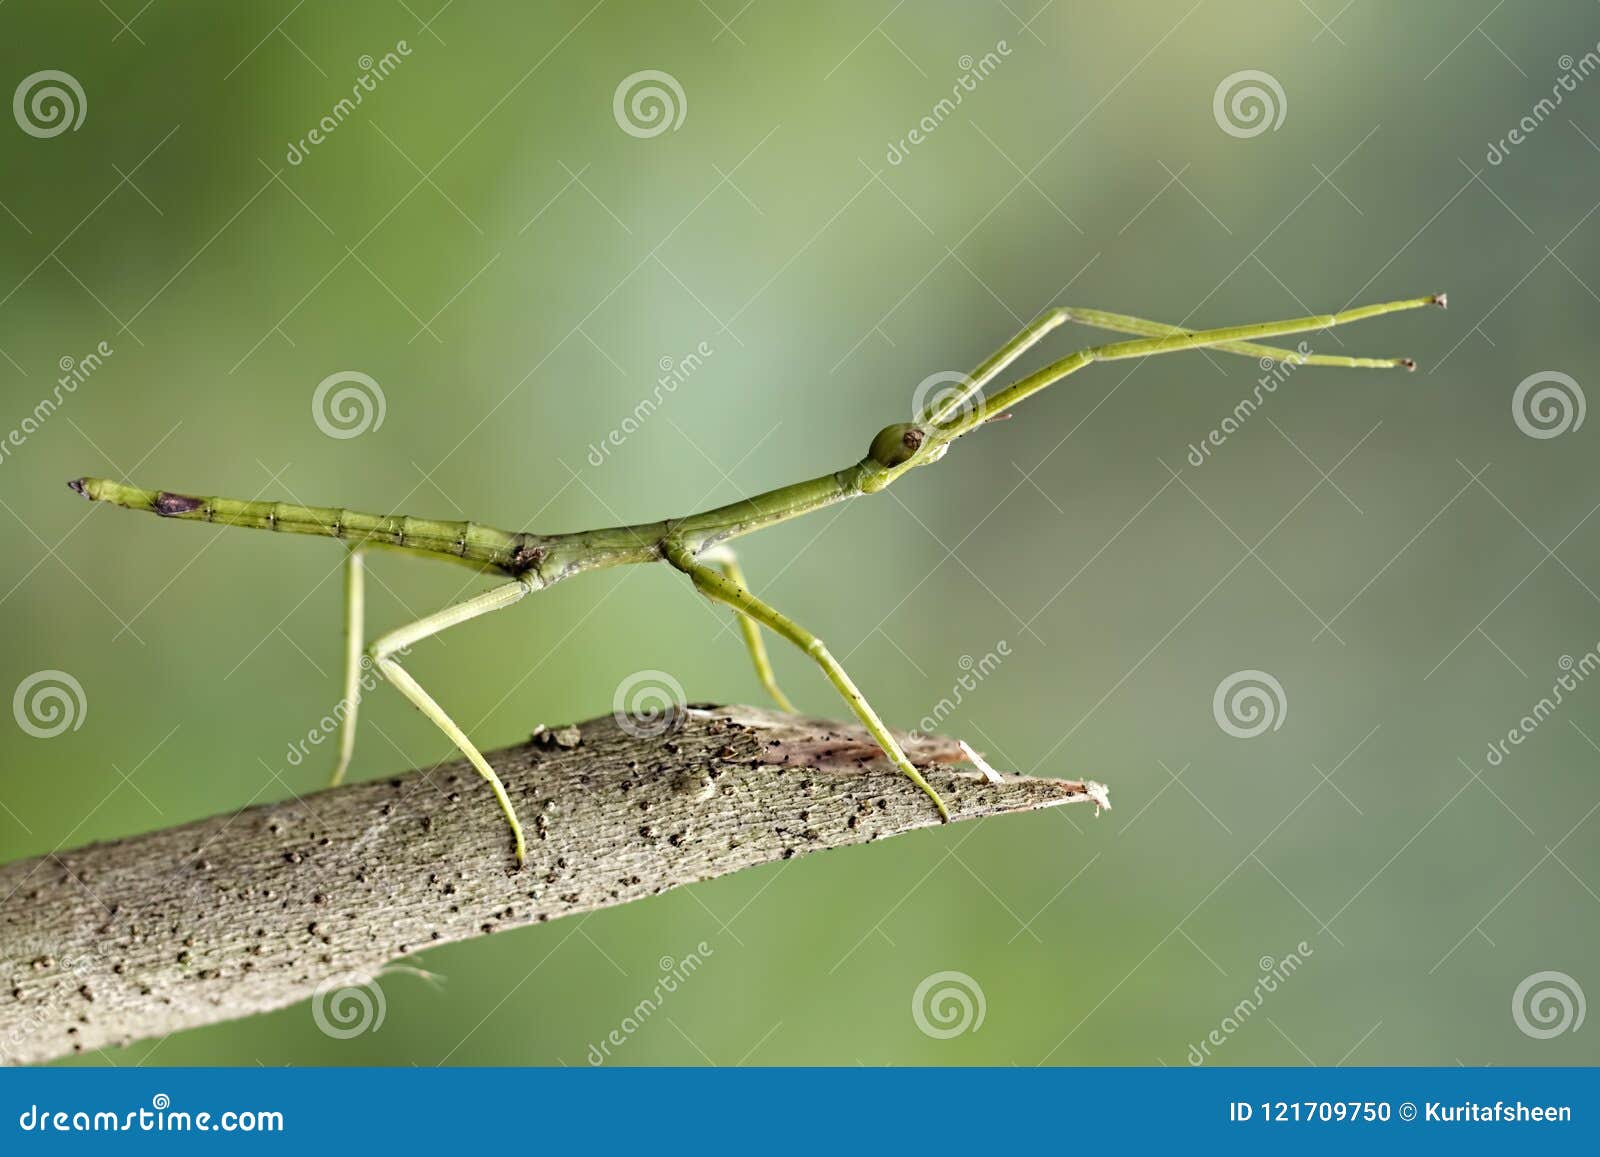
[(240, 914)]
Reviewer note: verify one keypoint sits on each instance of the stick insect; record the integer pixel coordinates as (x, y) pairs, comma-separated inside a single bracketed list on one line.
[(697, 545)]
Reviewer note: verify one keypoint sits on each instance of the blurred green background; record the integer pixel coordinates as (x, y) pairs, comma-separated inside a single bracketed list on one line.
[(483, 239)]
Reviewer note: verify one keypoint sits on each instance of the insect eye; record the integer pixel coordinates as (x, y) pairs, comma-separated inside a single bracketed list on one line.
[(896, 445)]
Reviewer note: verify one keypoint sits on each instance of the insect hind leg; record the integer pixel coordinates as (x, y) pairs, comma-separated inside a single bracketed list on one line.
[(383, 649)]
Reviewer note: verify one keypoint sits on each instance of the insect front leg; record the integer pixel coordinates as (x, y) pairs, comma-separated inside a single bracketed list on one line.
[(1173, 343), (993, 367), (1125, 323)]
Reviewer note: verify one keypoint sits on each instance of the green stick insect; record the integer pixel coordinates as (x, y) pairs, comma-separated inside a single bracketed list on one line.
[(697, 544)]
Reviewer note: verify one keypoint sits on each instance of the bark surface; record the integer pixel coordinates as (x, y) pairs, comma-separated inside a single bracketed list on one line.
[(253, 911)]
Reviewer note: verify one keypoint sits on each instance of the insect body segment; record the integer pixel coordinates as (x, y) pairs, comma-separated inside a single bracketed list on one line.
[(473, 543), (697, 545)]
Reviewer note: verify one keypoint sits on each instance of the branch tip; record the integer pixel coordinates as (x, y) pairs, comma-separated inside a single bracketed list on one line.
[(1099, 793), (160, 943)]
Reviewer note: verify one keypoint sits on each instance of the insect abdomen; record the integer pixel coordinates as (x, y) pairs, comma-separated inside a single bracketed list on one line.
[(468, 541)]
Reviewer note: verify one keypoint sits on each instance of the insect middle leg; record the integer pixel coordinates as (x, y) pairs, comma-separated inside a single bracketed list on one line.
[(724, 558), (722, 589), (385, 646)]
